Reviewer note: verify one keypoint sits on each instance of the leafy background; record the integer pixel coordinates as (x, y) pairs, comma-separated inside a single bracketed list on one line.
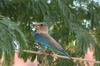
[(75, 24)]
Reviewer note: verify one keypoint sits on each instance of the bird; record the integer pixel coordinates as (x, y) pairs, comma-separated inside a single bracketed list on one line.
[(42, 37)]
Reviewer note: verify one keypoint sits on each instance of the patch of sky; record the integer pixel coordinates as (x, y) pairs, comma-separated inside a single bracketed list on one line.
[(48, 1), (16, 45), (86, 23), (32, 26), (97, 1)]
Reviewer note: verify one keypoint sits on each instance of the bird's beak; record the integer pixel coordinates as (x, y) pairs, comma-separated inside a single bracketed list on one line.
[(33, 25), (36, 25)]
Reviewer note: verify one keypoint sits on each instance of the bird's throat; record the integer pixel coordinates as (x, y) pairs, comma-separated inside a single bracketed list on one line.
[(42, 30)]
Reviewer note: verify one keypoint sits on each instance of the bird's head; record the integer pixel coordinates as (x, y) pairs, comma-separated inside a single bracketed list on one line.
[(40, 27)]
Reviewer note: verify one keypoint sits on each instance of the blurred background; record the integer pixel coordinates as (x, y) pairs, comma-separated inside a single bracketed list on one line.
[(75, 24)]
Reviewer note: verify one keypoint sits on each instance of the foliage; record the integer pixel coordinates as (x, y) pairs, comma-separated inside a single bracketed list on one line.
[(9, 32), (73, 23)]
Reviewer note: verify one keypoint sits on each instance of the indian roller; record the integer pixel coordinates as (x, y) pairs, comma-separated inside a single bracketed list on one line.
[(42, 37)]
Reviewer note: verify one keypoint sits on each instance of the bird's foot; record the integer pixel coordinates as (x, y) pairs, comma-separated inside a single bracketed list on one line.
[(42, 51), (53, 54)]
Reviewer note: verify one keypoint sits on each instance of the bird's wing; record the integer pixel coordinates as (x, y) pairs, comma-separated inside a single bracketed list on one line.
[(47, 40)]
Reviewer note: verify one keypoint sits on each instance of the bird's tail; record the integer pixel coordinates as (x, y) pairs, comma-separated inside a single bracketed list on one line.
[(65, 54)]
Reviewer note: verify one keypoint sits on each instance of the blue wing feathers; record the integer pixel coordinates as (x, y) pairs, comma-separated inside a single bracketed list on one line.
[(41, 40), (65, 54)]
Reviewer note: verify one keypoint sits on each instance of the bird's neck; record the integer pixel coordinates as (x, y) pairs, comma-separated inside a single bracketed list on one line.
[(42, 30)]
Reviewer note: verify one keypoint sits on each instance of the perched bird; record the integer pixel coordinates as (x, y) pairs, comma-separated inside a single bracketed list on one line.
[(43, 38)]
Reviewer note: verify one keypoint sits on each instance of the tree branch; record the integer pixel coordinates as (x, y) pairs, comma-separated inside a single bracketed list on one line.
[(59, 56), (1, 47)]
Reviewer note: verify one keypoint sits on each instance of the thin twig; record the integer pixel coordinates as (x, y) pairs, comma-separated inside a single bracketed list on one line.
[(1, 47), (59, 56)]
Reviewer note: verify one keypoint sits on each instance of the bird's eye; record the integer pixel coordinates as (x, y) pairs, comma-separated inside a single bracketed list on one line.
[(41, 24)]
